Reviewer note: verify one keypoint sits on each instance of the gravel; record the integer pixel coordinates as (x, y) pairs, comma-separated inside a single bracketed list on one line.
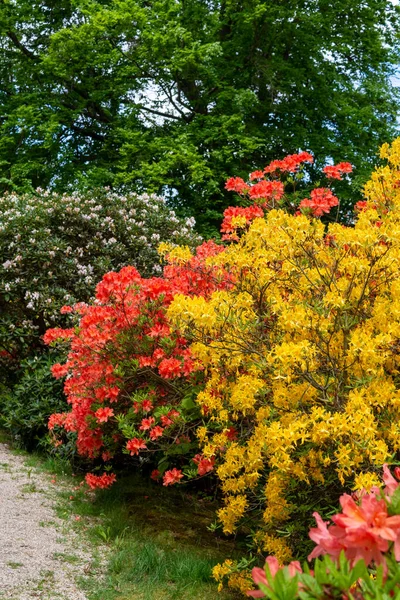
[(40, 554)]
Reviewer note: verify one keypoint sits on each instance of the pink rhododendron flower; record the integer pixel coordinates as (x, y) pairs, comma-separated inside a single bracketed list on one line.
[(259, 575), (364, 530), (390, 482)]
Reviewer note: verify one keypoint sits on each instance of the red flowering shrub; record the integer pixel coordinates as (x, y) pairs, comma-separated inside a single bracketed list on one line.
[(128, 373), (275, 187)]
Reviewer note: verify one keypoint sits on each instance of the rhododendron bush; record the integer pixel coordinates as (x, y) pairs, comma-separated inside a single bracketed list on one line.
[(55, 248), (273, 361)]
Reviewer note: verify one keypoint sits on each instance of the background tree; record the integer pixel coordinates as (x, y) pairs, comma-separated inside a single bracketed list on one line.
[(173, 96)]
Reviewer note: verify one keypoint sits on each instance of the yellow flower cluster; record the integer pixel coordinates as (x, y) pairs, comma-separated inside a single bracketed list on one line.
[(238, 579), (174, 254), (302, 356)]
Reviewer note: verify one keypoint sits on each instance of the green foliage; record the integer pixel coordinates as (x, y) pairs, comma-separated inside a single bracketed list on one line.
[(173, 96), (25, 410), (55, 248)]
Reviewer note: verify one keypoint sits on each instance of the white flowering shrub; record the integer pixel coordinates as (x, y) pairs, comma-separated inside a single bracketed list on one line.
[(54, 249)]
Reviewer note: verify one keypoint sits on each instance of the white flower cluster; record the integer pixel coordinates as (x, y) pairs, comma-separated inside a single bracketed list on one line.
[(54, 248)]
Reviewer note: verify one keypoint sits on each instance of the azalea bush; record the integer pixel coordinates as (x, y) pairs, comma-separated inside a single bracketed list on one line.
[(131, 379), (301, 356), (360, 549), (55, 248), (271, 362)]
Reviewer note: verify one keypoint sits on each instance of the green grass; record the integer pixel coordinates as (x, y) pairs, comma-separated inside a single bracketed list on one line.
[(156, 539), (160, 547), (14, 565)]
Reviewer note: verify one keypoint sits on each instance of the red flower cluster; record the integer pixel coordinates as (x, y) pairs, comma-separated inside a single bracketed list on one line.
[(361, 205), (204, 465), (290, 163), (364, 530), (103, 414), (57, 335), (267, 190), (124, 345), (336, 171), (100, 481), (135, 445), (156, 432), (322, 200), (228, 227), (236, 184), (173, 476)]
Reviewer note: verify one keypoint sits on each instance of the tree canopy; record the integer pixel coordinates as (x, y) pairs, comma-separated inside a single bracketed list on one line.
[(174, 96)]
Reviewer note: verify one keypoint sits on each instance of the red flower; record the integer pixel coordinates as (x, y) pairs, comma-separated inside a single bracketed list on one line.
[(322, 200), (290, 163), (159, 330), (267, 190), (336, 171), (147, 423), (170, 368), (173, 414), (146, 361), (53, 335), (166, 421), (204, 465), (361, 205), (231, 433), (390, 482), (256, 175), (56, 419), (59, 371), (66, 309), (135, 445), (345, 167), (156, 432), (155, 474), (103, 414), (249, 213), (362, 530), (173, 476), (259, 575), (147, 405), (236, 184), (327, 542)]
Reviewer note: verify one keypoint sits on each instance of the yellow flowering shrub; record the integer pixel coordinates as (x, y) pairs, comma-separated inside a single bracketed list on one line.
[(301, 359)]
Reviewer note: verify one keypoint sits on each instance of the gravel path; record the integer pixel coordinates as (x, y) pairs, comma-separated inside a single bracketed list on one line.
[(40, 555)]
